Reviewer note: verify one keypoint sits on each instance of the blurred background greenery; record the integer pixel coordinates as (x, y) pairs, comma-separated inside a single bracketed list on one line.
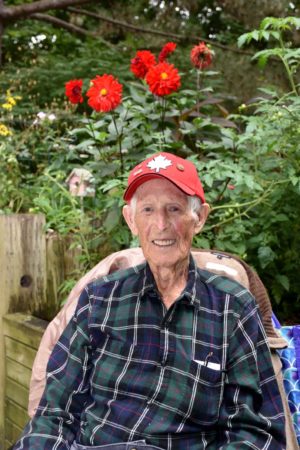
[(243, 135)]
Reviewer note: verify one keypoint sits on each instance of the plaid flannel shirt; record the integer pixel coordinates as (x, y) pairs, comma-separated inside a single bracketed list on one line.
[(196, 376)]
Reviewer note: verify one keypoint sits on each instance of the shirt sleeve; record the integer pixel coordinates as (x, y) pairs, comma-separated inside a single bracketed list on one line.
[(251, 413), (57, 418)]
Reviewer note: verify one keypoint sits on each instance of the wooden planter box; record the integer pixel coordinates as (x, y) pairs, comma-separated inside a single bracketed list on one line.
[(22, 335)]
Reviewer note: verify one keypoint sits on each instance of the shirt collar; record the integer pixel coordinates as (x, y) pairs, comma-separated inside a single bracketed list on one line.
[(188, 295)]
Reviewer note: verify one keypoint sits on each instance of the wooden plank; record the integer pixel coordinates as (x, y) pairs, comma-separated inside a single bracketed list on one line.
[(24, 328), (55, 249), (17, 372), (23, 248), (22, 275), (15, 413), (7, 445), (72, 264), (19, 352), (16, 392), (12, 432)]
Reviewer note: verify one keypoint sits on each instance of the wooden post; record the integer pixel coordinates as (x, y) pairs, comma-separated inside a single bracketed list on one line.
[(22, 276), (55, 275), (63, 263)]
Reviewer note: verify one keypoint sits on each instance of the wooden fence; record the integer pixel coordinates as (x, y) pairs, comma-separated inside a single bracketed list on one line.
[(33, 265)]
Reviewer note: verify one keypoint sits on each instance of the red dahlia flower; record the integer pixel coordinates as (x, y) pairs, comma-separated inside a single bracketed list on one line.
[(163, 79), (74, 91), (105, 93), (166, 50), (142, 62), (201, 56)]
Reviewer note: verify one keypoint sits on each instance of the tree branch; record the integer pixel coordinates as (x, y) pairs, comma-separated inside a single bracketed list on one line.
[(177, 37), (69, 27), (62, 24), (13, 13)]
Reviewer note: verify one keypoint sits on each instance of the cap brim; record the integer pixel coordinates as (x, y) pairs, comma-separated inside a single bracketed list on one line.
[(149, 176)]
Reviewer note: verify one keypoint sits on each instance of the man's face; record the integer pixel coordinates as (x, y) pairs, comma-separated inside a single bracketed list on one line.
[(163, 222)]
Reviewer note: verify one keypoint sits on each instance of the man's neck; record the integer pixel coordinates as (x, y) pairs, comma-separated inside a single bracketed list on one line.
[(170, 281)]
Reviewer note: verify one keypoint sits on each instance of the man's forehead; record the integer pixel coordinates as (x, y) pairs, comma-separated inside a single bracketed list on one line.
[(159, 187)]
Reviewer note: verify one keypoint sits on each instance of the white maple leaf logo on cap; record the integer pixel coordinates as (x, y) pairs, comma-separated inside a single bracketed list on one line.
[(159, 162)]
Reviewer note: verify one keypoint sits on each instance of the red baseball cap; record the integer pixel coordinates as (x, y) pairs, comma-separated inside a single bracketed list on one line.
[(179, 171)]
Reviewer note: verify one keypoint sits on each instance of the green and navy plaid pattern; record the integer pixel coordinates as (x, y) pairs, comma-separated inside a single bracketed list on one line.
[(196, 376)]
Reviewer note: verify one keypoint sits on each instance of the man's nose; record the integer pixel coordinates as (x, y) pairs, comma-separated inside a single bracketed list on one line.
[(162, 220)]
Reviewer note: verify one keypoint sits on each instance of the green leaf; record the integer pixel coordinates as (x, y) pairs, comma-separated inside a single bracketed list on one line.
[(270, 22), (110, 185), (294, 180), (266, 256), (188, 92), (276, 35), (266, 54), (186, 127), (265, 23), (78, 131), (85, 144), (98, 124), (269, 91), (283, 281), (101, 136), (244, 39), (208, 179), (281, 218), (137, 96), (262, 61), (265, 35), (112, 219)]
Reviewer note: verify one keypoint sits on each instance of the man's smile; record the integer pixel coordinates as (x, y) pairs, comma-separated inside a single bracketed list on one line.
[(164, 242)]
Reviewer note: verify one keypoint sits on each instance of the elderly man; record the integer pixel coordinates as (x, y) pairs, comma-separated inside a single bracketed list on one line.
[(163, 355)]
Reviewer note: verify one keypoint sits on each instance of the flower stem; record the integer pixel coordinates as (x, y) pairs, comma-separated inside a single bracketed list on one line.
[(287, 67), (198, 89), (119, 139), (163, 116), (249, 205), (91, 128), (290, 76)]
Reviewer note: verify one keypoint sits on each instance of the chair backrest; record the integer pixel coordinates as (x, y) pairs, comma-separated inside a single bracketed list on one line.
[(214, 261)]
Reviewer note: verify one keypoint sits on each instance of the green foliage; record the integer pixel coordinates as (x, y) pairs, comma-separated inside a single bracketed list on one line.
[(275, 28), (270, 27), (248, 160), (255, 218)]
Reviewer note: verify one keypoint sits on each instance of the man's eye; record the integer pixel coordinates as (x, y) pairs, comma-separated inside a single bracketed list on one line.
[(174, 208), (147, 209)]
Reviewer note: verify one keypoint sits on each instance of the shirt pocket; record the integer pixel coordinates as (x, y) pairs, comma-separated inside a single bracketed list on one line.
[(204, 390)]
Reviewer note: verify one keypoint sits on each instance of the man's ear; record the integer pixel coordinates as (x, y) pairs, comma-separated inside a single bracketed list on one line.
[(129, 218), (202, 216)]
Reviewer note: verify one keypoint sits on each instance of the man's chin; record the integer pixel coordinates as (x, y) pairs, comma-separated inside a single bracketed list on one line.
[(165, 257)]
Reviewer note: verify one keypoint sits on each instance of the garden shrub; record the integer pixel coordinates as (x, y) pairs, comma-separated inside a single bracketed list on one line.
[(248, 161)]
